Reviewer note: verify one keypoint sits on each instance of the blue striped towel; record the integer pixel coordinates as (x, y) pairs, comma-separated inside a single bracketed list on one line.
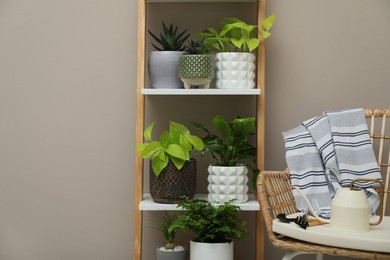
[(327, 152)]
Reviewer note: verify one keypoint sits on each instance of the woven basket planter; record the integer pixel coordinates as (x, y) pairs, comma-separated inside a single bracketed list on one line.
[(172, 183)]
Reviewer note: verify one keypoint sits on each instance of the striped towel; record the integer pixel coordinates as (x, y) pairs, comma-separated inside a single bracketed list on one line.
[(329, 151)]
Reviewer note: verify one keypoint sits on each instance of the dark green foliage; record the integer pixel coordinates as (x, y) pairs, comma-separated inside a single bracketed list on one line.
[(231, 147), (197, 47), (170, 39), (210, 223)]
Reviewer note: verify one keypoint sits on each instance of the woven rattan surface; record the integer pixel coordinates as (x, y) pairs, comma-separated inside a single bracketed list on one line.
[(275, 195)]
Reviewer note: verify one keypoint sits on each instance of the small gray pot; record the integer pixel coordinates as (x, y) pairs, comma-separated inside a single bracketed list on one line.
[(171, 255), (163, 67)]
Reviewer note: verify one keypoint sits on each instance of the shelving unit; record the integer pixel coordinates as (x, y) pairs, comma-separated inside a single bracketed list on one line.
[(143, 202), (203, 92)]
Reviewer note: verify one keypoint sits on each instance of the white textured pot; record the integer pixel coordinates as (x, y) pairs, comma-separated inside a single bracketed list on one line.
[(235, 70), (211, 251), (163, 68), (227, 183)]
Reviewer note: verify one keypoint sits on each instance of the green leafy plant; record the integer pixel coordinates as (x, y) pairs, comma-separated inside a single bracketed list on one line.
[(168, 233), (231, 146), (174, 145), (170, 39), (197, 47), (236, 35), (210, 223)]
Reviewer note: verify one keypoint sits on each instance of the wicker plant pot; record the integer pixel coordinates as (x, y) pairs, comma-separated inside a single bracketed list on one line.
[(196, 70), (172, 183)]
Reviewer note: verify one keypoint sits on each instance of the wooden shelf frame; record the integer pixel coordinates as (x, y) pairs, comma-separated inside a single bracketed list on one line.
[(140, 123)]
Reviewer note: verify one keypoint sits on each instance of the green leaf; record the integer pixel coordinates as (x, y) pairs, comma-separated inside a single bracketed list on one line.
[(269, 22), (178, 162), (150, 149), (179, 128), (237, 42), (252, 43), (176, 151), (196, 142), (164, 139), (158, 164), (148, 132), (141, 147), (220, 123), (265, 34)]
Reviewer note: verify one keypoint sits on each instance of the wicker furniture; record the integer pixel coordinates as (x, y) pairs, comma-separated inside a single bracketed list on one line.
[(275, 196)]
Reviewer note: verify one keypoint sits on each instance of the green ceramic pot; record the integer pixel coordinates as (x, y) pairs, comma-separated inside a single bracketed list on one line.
[(196, 70)]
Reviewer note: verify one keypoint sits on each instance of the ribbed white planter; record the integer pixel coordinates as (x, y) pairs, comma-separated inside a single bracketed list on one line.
[(211, 251), (227, 183), (235, 70)]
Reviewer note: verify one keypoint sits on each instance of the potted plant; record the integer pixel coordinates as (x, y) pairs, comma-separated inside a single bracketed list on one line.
[(170, 251), (233, 154), (196, 65), (214, 226), (163, 64), (235, 42), (172, 171)]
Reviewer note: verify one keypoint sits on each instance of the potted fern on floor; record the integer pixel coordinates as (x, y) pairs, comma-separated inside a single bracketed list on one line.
[(234, 156), (163, 64), (214, 226)]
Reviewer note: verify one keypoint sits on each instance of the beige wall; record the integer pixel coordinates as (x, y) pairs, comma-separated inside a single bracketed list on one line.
[(67, 112)]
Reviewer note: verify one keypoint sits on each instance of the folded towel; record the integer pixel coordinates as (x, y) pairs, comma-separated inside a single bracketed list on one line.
[(329, 151)]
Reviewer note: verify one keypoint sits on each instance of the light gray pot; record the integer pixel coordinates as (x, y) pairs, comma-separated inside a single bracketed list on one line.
[(171, 255), (163, 67)]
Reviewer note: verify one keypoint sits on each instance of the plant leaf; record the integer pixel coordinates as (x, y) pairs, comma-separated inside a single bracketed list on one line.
[(148, 132), (252, 43), (268, 22), (158, 164), (196, 142), (176, 151), (220, 123), (150, 149)]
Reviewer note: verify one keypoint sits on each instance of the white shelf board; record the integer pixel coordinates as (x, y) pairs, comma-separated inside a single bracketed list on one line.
[(199, 91), (201, 1), (147, 204)]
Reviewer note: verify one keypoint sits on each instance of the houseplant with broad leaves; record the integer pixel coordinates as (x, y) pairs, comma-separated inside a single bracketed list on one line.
[(196, 65), (173, 169), (170, 251), (235, 42), (163, 64), (233, 154), (214, 226)]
